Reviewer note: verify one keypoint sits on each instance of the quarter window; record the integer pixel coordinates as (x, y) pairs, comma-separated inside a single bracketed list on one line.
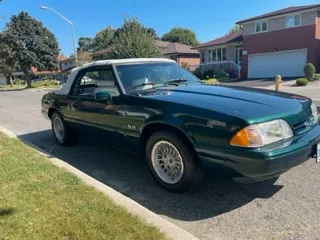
[(91, 81), (261, 26), (293, 21)]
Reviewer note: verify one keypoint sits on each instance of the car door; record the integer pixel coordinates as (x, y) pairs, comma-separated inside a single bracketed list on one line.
[(96, 118)]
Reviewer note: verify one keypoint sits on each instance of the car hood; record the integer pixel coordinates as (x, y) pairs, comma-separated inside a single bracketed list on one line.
[(254, 105)]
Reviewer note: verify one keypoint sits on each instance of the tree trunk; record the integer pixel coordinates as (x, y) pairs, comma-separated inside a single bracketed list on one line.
[(28, 80), (11, 81)]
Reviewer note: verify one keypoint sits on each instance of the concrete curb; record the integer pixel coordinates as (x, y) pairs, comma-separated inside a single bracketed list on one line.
[(172, 231)]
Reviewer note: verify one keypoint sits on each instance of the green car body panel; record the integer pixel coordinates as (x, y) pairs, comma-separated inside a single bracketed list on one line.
[(208, 116)]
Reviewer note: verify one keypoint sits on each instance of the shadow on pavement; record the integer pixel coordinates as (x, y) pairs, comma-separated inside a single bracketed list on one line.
[(128, 174)]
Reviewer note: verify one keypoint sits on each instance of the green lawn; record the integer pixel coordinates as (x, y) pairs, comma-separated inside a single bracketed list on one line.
[(41, 201)]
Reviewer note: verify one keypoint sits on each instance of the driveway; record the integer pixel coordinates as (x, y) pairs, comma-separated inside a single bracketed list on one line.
[(217, 209)]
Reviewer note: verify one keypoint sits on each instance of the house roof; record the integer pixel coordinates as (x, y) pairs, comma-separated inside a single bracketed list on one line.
[(172, 48), (281, 11), (229, 38), (100, 52), (162, 44)]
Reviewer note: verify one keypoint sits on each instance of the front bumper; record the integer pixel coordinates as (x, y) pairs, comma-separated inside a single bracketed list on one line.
[(254, 165)]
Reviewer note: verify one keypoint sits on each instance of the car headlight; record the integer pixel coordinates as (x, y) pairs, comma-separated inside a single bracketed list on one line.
[(314, 112), (258, 135)]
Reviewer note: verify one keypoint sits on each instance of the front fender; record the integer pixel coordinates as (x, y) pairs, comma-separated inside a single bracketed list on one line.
[(171, 121)]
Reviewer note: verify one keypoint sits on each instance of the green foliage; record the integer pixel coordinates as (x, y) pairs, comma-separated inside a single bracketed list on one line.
[(18, 82), (85, 44), (185, 65), (132, 41), (181, 35), (31, 43), (235, 28), (45, 83), (106, 37), (309, 71), (316, 77), (302, 82), (8, 61), (210, 73), (210, 81), (103, 38)]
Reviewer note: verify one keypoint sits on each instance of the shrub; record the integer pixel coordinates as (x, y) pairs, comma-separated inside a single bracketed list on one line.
[(309, 71), (45, 83), (316, 77), (18, 82), (233, 73), (210, 81), (302, 82), (185, 65), (198, 73)]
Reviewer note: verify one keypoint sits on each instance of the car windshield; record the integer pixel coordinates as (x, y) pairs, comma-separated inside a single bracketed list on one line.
[(143, 76)]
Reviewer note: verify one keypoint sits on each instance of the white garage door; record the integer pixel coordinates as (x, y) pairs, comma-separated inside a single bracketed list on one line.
[(286, 63), (3, 80)]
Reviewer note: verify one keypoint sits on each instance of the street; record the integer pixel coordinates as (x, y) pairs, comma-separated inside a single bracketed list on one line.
[(217, 209)]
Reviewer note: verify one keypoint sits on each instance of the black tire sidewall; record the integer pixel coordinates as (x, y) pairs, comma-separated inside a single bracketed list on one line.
[(188, 157), (57, 115)]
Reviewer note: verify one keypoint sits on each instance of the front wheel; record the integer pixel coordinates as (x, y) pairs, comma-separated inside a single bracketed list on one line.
[(171, 162), (62, 133)]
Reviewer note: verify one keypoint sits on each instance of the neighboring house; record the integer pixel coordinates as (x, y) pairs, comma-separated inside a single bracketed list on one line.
[(280, 42), (18, 74), (101, 54), (178, 52)]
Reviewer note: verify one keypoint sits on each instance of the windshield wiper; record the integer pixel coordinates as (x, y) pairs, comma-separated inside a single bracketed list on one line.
[(176, 81), (142, 85)]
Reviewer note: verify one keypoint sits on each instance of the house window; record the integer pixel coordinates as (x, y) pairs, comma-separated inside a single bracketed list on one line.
[(293, 21), (218, 54), (261, 26), (209, 56), (203, 57), (214, 55)]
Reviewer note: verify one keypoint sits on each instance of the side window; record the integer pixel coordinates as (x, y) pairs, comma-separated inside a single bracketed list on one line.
[(92, 81)]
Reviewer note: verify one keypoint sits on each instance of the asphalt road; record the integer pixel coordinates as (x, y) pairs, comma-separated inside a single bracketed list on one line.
[(217, 209)]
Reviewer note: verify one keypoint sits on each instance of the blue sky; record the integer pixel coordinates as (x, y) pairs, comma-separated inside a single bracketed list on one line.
[(207, 18)]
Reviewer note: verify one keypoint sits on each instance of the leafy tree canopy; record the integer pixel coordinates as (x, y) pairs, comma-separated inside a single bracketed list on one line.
[(85, 44), (32, 44), (133, 41), (235, 28), (104, 38), (181, 35)]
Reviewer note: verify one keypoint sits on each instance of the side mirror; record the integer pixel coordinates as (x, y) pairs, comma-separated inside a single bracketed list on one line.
[(103, 96)]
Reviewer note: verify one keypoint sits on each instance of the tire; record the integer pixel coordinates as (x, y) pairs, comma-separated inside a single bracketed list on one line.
[(174, 157), (67, 136)]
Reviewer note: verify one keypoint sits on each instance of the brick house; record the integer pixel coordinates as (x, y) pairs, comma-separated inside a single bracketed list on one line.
[(178, 52), (279, 42)]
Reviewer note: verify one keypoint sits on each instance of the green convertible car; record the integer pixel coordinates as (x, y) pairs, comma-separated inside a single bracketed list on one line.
[(182, 125)]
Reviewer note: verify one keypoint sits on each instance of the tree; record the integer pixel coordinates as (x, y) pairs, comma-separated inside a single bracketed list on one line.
[(151, 32), (181, 35), (132, 41), (33, 44), (235, 28), (85, 44), (8, 62), (104, 38)]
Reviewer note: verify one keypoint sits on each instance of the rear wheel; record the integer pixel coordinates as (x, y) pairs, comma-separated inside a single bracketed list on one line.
[(62, 133), (171, 162)]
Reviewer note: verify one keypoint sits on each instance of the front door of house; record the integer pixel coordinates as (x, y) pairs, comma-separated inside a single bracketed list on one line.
[(238, 56)]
